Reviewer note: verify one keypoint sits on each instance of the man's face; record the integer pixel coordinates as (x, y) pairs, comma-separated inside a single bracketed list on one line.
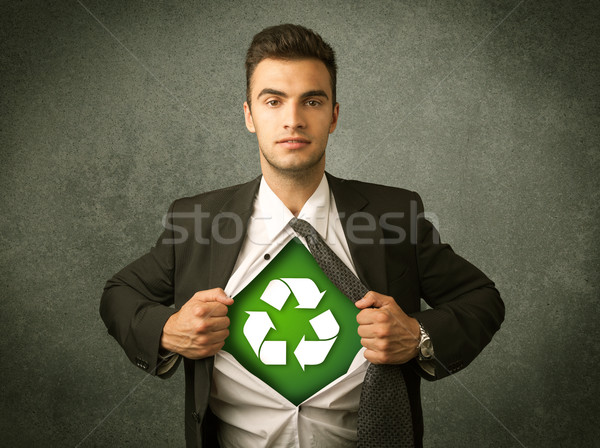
[(292, 114)]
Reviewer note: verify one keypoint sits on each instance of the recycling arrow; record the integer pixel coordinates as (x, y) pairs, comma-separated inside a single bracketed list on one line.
[(325, 325), (312, 352), (305, 291), (276, 294), (315, 352), (259, 324), (256, 328), (273, 353)]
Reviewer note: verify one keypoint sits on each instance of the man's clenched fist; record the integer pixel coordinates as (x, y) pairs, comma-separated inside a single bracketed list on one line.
[(200, 327), (388, 333)]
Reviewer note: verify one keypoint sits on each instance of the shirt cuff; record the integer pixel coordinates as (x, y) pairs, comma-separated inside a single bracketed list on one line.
[(166, 363), (427, 366)]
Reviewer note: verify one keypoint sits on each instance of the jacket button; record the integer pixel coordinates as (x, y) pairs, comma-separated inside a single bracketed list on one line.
[(141, 363)]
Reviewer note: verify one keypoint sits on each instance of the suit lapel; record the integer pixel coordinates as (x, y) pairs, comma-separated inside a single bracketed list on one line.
[(228, 235), (368, 258)]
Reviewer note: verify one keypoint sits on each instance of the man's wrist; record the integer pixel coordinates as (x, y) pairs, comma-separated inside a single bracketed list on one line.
[(416, 332), (164, 353), (165, 347), (425, 346)]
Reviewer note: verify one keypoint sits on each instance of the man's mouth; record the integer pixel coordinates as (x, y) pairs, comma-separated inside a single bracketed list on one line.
[(293, 142)]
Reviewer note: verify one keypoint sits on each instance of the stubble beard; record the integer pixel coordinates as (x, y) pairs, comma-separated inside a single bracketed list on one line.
[(295, 171)]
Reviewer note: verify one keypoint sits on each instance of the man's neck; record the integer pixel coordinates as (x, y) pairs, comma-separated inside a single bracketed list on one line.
[(294, 190)]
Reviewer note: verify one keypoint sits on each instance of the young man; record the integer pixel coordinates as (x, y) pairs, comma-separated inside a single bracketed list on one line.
[(377, 232)]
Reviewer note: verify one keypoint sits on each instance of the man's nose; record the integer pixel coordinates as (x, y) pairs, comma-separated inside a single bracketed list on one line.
[(294, 116)]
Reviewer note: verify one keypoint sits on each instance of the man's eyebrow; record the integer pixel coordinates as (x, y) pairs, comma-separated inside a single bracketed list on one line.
[(315, 93), (272, 92), (284, 95)]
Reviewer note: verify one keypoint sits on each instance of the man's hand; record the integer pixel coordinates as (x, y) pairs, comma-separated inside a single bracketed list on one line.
[(388, 333), (200, 327)]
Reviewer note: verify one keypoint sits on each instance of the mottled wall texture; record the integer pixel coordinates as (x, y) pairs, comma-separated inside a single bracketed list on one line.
[(110, 110)]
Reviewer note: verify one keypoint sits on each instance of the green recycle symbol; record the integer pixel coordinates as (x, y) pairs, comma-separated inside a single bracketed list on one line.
[(259, 324)]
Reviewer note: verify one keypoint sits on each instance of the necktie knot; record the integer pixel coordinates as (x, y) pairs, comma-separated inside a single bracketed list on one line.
[(302, 227)]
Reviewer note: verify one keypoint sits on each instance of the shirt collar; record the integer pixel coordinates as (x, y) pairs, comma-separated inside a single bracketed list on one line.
[(276, 216)]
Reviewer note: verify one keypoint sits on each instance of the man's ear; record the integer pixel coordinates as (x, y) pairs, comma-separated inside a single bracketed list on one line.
[(334, 117), (248, 118)]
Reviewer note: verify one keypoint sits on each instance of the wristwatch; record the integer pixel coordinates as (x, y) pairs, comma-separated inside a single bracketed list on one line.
[(425, 346)]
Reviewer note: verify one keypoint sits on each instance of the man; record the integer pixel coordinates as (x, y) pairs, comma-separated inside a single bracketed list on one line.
[(216, 242)]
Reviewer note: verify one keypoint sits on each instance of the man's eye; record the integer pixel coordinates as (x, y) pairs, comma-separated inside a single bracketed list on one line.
[(273, 102), (313, 103)]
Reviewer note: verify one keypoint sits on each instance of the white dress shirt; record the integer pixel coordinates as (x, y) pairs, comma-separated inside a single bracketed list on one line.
[(252, 413)]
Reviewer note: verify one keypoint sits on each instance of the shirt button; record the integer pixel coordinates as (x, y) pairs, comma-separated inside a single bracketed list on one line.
[(267, 256)]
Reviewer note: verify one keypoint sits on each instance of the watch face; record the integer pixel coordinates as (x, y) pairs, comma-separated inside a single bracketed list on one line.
[(427, 349)]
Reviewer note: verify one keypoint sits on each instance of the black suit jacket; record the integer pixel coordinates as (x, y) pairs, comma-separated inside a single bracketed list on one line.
[(394, 249)]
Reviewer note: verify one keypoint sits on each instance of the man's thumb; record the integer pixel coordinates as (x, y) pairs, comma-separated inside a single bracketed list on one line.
[(371, 300), (213, 295)]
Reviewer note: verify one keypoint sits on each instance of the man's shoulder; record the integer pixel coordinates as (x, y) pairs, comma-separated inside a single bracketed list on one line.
[(372, 192), (215, 199), (369, 187)]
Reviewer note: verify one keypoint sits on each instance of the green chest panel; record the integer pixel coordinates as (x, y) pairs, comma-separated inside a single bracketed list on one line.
[(291, 327)]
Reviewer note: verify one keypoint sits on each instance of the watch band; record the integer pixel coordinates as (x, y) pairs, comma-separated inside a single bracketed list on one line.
[(425, 352)]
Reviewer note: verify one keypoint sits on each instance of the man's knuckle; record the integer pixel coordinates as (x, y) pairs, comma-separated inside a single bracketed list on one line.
[(381, 332), (381, 318), (217, 291), (201, 327), (220, 308), (200, 309), (374, 357)]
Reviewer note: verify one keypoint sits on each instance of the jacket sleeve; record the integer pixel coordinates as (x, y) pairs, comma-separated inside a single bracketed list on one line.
[(136, 303), (466, 308)]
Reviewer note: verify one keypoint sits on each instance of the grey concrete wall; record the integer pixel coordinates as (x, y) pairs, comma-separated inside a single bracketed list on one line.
[(110, 110)]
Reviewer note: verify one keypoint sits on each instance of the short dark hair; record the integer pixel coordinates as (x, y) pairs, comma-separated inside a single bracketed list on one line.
[(289, 42)]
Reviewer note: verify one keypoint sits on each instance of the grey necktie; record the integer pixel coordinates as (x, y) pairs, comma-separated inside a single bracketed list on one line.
[(384, 417)]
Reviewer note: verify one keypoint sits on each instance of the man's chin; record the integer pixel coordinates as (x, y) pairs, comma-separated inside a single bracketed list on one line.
[(296, 168)]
